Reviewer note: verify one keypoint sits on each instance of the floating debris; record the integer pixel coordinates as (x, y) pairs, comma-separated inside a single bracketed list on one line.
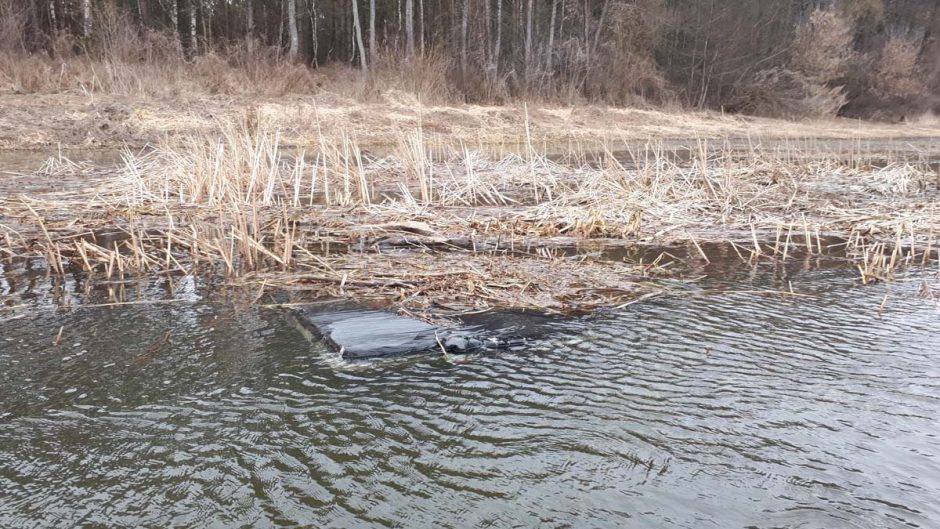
[(358, 332)]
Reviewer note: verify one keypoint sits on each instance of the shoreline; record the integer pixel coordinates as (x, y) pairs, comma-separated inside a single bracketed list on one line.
[(466, 231), (78, 121)]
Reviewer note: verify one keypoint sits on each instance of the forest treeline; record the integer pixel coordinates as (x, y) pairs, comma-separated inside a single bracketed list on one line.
[(793, 58)]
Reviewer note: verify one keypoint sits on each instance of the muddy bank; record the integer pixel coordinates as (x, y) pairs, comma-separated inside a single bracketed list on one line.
[(73, 120)]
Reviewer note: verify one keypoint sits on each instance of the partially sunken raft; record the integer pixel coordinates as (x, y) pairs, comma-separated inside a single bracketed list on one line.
[(358, 332)]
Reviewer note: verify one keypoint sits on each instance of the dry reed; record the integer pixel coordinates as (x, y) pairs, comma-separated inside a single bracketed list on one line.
[(458, 228)]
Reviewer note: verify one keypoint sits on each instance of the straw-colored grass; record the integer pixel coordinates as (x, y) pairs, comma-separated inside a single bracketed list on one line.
[(455, 227)]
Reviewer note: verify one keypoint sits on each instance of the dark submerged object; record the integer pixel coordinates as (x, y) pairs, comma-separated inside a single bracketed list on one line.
[(360, 332)]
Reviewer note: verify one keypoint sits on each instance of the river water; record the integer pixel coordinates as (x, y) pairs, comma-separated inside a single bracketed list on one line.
[(721, 405)]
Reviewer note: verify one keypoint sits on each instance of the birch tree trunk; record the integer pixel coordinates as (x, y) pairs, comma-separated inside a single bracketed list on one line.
[(410, 28), (372, 37), (251, 27), (528, 43), (280, 25), (292, 29), (551, 39), (314, 42), (175, 19), (463, 37), (600, 27), (192, 25), (358, 31), (206, 19), (52, 20), (421, 35), (86, 18), (487, 33), (499, 37), (586, 37)]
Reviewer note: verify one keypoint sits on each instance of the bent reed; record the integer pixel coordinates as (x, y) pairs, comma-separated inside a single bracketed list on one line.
[(455, 228)]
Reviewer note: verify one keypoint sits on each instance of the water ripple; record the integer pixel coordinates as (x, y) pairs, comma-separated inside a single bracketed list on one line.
[(689, 411)]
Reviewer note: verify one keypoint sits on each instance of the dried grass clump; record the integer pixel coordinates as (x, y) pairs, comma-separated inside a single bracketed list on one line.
[(208, 74), (454, 227), (425, 77), (467, 280), (116, 35), (781, 92), (810, 85), (238, 168), (898, 179), (244, 165), (122, 58), (658, 190), (239, 69), (895, 73), (27, 74), (12, 28), (627, 72), (822, 47)]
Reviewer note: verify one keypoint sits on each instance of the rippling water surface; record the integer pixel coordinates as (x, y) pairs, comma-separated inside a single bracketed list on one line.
[(704, 409)]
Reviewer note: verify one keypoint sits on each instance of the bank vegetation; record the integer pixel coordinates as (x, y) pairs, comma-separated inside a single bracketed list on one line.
[(458, 229), (790, 58)]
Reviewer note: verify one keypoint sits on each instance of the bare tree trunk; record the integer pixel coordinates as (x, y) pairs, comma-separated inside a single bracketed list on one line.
[(410, 28), (358, 31), (351, 32), (142, 13), (586, 37), (551, 39), (499, 37), (206, 19), (251, 27), (463, 37), (372, 38), (280, 27), (292, 29), (421, 35), (52, 20), (314, 42), (528, 43), (175, 18), (192, 26), (266, 27), (487, 33), (600, 27), (86, 18)]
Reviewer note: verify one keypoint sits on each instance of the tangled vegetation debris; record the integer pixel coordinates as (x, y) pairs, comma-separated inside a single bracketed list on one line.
[(457, 229)]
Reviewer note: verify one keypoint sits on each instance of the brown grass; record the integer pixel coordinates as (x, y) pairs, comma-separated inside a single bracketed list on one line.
[(896, 73), (86, 119), (458, 228), (806, 87), (209, 74)]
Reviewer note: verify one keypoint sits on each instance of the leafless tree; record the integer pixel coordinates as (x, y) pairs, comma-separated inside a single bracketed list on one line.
[(358, 33), (292, 29), (702, 52), (409, 28)]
